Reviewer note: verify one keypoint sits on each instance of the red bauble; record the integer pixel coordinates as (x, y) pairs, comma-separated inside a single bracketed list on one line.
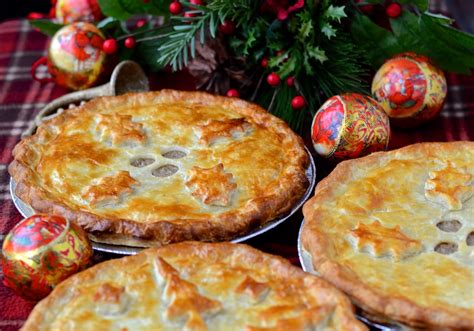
[(228, 27), (175, 8), (273, 79), (290, 81), (130, 42), (298, 102), (233, 93), (394, 10), (109, 46), (264, 62)]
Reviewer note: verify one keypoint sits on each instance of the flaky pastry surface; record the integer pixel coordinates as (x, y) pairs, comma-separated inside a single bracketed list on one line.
[(395, 231), (160, 167), (194, 286)]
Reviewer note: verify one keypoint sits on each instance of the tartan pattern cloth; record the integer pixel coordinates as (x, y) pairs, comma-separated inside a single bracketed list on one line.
[(21, 98)]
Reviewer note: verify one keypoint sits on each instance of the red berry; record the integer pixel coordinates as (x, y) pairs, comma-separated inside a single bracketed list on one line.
[(175, 8), (146, 1), (273, 79), (188, 14), (109, 46), (366, 9), (264, 62), (35, 16), (394, 10), (130, 42), (140, 23), (233, 93), (197, 2), (290, 81), (298, 102), (228, 27)]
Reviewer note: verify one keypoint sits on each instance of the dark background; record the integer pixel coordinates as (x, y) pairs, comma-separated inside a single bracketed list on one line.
[(461, 10)]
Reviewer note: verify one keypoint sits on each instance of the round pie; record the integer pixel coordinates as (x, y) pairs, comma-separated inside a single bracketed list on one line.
[(194, 286), (395, 231), (155, 168)]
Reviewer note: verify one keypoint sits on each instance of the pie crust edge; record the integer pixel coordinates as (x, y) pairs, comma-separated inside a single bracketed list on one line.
[(379, 307), (323, 291), (122, 231)]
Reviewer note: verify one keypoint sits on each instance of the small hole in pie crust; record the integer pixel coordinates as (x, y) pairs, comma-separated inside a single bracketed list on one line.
[(446, 248), (174, 154), (141, 162), (165, 170), (470, 239), (449, 226)]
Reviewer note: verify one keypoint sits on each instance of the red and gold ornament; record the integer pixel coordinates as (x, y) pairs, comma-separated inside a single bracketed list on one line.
[(70, 11), (40, 252), (410, 89), (350, 125)]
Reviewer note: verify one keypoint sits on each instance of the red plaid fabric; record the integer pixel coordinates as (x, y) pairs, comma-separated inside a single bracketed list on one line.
[(21, 98)]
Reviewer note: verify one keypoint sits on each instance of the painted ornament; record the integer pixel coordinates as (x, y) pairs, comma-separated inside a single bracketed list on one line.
[(40, 252), (70, 11), (75, 57), (410, 89), (350, 125)]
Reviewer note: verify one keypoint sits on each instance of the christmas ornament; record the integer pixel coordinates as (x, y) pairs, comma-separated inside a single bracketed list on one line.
[(40, 252), (350, 125), (70, 11), (109, 46), (393, 10), (273, 79), (75, 57), (298, 102), (175, 8), (410, 89)]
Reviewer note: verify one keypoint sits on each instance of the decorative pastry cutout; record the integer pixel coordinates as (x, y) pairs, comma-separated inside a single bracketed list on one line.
[(174, 154), (110, 188), (119, 128), (213, 186), (446, 248), (307, 319), (141, 162), (385, 241), (165, 170), (470, 239), (449, 226), (256, 290), (449, 186), (111, 299), (183, 300), (215, 129)]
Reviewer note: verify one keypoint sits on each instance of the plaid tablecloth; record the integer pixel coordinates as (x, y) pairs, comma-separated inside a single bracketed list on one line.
[(21, 98)]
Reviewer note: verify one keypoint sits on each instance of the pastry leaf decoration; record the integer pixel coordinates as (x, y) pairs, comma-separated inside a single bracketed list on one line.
[(110, 188), (216, 129), (119, 128)]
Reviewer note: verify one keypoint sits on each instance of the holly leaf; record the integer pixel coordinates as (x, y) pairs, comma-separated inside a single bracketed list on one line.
[(335, 13), (328, 30), (249, 42), (316, 53), (305, 30), (124, 9), (421, 4), (46, 26)]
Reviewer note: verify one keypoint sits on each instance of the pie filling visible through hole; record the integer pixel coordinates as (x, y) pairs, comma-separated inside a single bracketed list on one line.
[(141, 162), (470, 239), (165, 170), (446, 248), (174, 154), (449, 226)]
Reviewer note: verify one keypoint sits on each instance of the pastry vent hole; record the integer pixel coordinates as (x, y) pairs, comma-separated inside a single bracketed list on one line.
[(165, 170), (174, 154), (446, 248), (141, 162), (449, 226), (470, 239)]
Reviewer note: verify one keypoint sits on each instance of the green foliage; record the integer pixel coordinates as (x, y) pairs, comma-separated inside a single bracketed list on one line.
[(424, 33), (46, 26), (124, 9)]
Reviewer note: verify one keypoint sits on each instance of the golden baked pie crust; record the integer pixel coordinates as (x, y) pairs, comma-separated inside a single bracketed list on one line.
[(78, 165), (194, 286), (388, 265)]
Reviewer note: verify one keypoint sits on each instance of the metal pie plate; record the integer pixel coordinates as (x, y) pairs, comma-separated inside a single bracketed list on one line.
[(307, 265), (26, 211)]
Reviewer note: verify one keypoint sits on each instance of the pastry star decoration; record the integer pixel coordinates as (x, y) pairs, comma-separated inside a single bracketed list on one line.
[(215, 129), (110, 188), (119, 128), (449, 186), (213, 186), (184, 300), (385, 241)]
